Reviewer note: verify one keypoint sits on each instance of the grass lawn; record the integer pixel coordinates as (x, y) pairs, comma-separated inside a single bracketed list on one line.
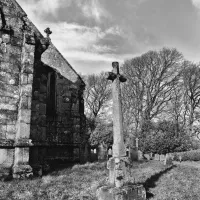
[(180, 183), (82, 180)]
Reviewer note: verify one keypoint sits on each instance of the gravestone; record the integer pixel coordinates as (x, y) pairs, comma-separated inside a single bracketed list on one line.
[(147, 156), (140, 155), (162, 157), (157, 157), (102, 152), (133, 154), (168, 160), (117, 165), (151, 156)]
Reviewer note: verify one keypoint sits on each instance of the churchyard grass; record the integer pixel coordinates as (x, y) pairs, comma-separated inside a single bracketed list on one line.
[(162, 182), (180, 183)]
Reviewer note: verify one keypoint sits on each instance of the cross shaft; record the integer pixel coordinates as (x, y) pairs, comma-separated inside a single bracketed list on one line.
[(116, 78)]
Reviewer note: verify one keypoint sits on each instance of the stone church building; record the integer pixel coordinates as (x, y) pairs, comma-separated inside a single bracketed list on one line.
[(41, 98)]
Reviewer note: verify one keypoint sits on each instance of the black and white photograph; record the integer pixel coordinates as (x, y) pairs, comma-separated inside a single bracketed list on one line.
[(99, 99)]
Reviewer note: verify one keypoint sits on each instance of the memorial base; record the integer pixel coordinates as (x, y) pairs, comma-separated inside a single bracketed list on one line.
[(129, 192), (22, 171)]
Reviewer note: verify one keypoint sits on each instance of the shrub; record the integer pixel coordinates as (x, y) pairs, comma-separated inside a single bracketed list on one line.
[(164, 137), (193, 155)]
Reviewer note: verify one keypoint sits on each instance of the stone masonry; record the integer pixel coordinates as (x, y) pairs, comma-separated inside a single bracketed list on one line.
[(118, 186), (41, 99)]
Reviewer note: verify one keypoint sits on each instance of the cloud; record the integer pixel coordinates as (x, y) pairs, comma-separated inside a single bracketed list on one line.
[(42, 7), (100, 31), (93, 9), (89, 56), (115, 30), (77, 37), (196, 3), (70, 37), (77, 42)]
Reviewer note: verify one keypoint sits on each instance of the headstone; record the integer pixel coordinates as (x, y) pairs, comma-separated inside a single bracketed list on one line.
[(162, 157), (168, 160), (180, 158), (140, 155), (151, 156), (157, 157), (133, 154), (147, 156), (102, 153)]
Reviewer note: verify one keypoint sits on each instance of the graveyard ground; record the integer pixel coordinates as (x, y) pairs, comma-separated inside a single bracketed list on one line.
[(161, 182)]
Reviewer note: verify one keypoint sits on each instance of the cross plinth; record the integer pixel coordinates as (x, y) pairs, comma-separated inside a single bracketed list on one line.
[(117, 164)]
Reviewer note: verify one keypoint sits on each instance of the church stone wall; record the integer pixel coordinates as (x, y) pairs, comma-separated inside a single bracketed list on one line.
[(41, 98)]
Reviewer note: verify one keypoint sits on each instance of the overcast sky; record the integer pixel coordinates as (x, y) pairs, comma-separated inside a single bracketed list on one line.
[(93, 33)]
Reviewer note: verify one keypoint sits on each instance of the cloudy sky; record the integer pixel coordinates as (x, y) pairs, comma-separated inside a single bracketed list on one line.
[(93, 33)]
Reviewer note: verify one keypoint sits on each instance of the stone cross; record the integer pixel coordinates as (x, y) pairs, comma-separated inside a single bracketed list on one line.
[(117, 164), (48, 32), (118, 145)]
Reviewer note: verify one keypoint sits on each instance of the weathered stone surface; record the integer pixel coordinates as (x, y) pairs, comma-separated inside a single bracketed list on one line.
[(117, 165), (22, 171), (3, 156), (129, 192), (26, 103), (118, 145), (26, 90), (29, 107), (8, 107), (141, 155), (9, 68), (6, 157), (168, 160), (23, 130), (111, 167), (16, 41), (6, 142), (3, 129), (162, 157), (157, 157), (24, 116)]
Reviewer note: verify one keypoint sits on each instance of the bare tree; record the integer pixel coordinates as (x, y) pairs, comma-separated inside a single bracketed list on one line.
[(97, 95), (191, 81), (176, 108), (151, 79)]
